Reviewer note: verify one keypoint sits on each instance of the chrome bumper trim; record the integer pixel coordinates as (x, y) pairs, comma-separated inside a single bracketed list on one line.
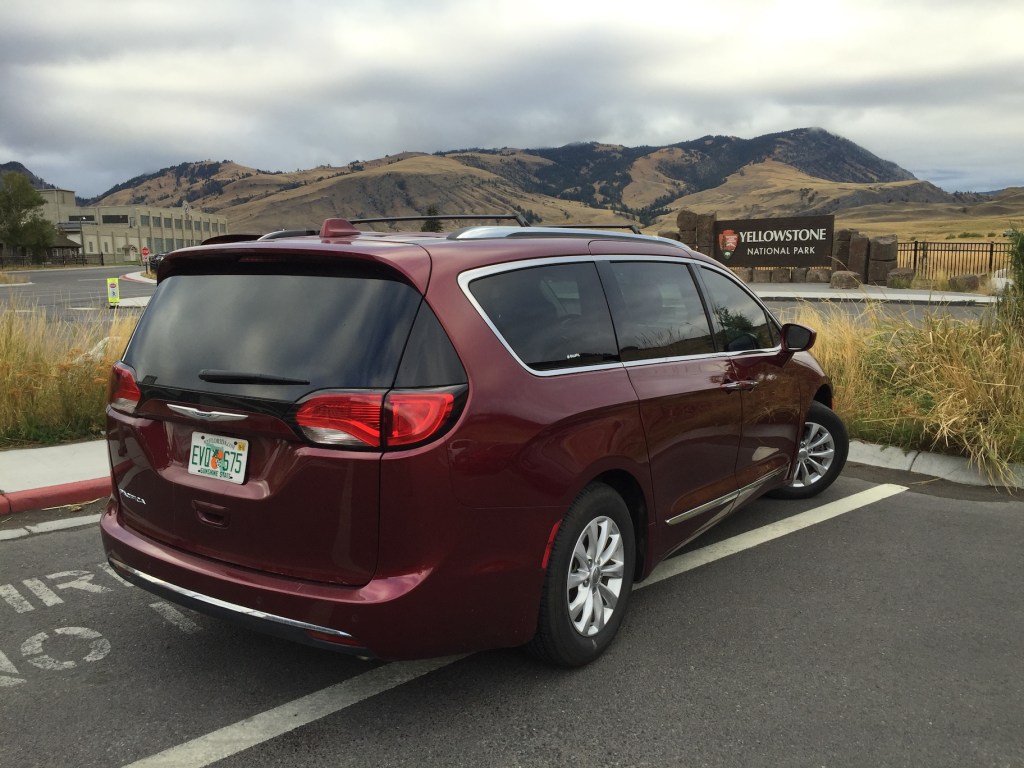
[(189, 595)]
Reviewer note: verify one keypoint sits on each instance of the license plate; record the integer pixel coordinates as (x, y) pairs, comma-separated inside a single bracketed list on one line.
[(222, 458)]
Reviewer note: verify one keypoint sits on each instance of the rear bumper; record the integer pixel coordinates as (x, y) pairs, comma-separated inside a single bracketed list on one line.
[(464, 602), (268, 623)]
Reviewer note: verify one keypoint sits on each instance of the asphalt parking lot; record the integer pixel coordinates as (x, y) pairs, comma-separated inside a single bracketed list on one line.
[(889, 632)]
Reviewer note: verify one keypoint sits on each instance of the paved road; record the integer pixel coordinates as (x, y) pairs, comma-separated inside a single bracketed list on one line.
[(889, 635), (74, 293)]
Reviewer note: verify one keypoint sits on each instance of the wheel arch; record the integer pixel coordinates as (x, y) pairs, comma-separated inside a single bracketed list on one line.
[(632, 493), (824, 396)]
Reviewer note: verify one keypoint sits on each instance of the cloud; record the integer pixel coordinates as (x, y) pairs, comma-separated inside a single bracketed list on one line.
[(92, 98)]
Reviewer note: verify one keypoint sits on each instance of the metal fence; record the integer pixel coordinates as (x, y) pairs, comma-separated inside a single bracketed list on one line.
[(54, 260), (953, 258)]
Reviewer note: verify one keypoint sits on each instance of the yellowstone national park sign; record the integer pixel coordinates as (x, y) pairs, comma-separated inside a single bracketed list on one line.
[(804, 241)]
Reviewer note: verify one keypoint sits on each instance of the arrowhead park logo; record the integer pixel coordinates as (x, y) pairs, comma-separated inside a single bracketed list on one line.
[(728, 242)]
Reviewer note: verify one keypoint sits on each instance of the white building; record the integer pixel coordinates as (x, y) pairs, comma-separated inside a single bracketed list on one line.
[(114, 234)]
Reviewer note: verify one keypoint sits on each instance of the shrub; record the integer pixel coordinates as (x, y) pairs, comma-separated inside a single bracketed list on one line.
[(941, 384), (53, 375)]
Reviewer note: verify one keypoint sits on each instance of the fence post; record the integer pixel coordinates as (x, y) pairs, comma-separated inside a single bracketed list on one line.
[(991, 257)]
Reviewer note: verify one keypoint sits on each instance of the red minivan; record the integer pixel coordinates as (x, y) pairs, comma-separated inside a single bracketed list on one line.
[(413, 444)]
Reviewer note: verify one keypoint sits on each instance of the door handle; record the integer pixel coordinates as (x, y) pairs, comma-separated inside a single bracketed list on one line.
[(739, 386)]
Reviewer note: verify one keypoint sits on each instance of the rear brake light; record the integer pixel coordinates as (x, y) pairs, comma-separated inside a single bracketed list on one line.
[(368, 420), (123, 393), (415, 416), (342, 419)]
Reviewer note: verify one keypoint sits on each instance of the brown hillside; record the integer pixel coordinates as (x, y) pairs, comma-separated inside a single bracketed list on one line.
[(406, 187), (910, 209)]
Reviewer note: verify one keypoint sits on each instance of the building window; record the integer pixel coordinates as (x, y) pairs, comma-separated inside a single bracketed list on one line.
[(111, 218), (188, 223), (167, 223), (143, 220), (91, 244), (206, 226), (106, 247), (177, 224), (179, 243)]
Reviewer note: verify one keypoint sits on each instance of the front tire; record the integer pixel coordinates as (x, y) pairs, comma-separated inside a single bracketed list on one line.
[(588, 582), (821, 456)]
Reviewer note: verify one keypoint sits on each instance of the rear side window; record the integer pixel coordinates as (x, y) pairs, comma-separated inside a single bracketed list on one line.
[(430, 359), (552, 316), (340, 331), (658, 312), (742, 323)]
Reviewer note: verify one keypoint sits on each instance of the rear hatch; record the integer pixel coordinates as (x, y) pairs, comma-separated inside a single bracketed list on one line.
[(221, 453)]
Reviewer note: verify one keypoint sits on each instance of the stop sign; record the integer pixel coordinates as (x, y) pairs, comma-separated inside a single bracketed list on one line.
[(145, 251)]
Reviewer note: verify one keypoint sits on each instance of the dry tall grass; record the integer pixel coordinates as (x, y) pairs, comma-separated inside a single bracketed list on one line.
[(946, 385), (53, 375)]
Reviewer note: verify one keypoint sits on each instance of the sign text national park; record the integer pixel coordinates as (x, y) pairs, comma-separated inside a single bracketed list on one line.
[(804, 241)]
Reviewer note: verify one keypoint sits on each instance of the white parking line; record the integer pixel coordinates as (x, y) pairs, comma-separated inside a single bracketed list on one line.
[(60, 524), (698, 557), (232, 739), (267, 725)]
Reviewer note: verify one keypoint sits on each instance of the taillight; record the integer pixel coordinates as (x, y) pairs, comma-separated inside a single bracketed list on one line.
[(342, 419), (415, 416), (368, 420), (123, 393)]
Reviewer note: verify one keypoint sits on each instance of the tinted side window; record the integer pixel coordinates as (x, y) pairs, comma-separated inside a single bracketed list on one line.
[(742, 322), (429, 359), (659, 312), (553, 316)]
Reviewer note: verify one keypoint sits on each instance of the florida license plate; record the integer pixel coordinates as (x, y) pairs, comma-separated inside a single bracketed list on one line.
[(222, 458)]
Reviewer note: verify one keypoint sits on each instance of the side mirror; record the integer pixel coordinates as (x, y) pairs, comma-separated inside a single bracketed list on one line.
[(797, 338)]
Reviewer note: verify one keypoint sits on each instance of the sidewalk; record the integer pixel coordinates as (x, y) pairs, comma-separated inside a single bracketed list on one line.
[(865, 293), (37, 478)]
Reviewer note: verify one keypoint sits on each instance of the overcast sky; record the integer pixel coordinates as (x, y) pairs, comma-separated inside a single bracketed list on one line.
[(94, 92)]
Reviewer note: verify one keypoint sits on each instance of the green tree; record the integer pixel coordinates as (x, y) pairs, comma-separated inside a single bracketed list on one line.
[(22, 225), (37, 237), (431, 225)]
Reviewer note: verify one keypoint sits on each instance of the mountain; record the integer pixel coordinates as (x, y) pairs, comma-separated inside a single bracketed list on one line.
[(800, 172), (34, 180)]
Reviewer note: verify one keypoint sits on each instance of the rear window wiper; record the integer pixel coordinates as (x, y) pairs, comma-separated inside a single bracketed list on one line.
[(242, 377)]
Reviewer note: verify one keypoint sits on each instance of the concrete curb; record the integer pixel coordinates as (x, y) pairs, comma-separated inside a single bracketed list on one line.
[(54, 496), (951, 468)]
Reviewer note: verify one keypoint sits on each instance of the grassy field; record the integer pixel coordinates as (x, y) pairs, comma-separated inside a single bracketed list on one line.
[(53, 375), (947, 386)]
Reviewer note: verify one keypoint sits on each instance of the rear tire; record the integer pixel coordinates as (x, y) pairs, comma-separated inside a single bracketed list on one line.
[(588, 582), (824, 446)]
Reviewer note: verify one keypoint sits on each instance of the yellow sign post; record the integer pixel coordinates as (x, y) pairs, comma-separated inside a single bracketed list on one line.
[(113, 292)]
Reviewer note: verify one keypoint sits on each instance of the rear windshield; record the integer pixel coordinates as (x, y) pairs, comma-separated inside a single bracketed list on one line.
[(299, 332)]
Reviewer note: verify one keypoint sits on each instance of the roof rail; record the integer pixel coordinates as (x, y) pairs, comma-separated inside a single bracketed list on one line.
[(289, 233), (497, 233), (631, 227), (517, 217)]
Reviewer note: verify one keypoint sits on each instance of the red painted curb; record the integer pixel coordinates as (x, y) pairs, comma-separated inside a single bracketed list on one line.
[(54, 496)]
